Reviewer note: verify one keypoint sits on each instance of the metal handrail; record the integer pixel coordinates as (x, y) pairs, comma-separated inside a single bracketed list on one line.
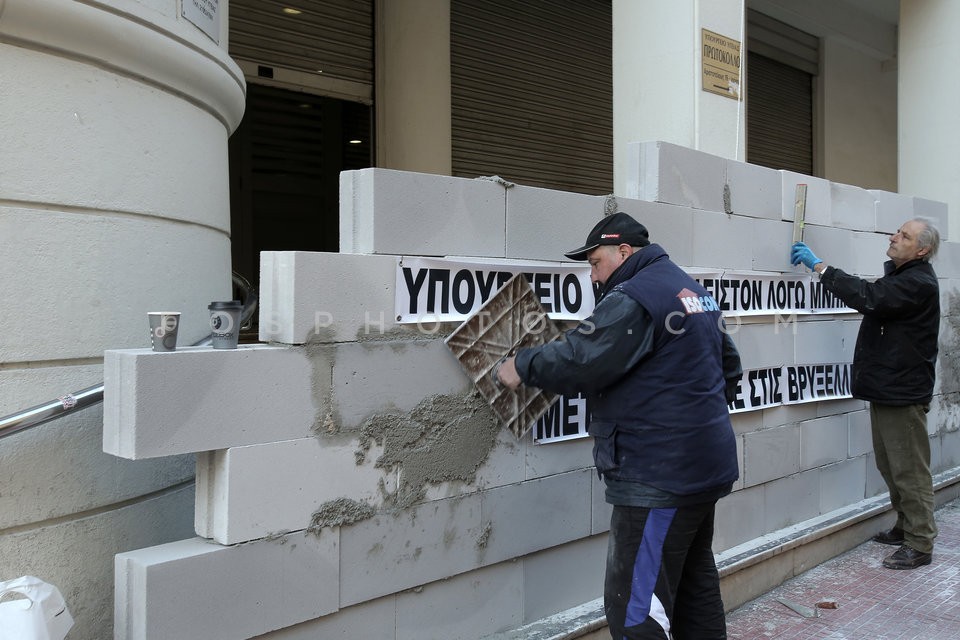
[(73, 402)]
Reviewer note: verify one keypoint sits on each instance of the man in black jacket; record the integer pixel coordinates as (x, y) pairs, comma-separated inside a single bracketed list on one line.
[(894, 369), (659, 369)]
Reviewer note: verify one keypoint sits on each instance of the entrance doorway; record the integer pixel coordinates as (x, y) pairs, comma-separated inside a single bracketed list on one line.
[(285, 162)]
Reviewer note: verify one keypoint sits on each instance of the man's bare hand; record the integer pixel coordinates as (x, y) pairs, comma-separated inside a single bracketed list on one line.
[(507, 374)]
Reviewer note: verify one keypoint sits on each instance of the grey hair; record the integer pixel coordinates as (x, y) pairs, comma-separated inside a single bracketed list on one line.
[(929, 238)]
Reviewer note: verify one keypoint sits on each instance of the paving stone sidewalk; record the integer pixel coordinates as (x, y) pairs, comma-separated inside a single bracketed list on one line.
[(873, 603)]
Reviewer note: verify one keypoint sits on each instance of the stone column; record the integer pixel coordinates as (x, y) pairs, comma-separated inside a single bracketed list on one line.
[(114, 201), (928, 94)]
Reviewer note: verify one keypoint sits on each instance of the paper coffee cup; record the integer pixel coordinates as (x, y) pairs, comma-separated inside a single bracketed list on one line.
[(225, 323), (163, 329)]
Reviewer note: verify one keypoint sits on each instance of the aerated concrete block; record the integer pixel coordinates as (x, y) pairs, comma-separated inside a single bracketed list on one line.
[(404, 213), (947, 264), (936, 210), (859, 436), (470, 605), (944, 416), (542, 224), (791, 499), (251, 492), (381, 377), (719, 241), (199, 398), (852, 207), (891, 210), (788, 414), (868, 252), (600, 509), (670, 226), (770, 454), (833, 247), (755, 191), (739, 483), (373, 619), (823, 441), (392, 552), (504, 465), (198, 589), (669, 173), (770, 246), (537, 514), (745, 422), (825, 342), (838, 407), (950, 449), (764, 345), (563, 577), (542, 460), (326, 297), (842, 484), (936, 456), (739, 518), (817, 209)]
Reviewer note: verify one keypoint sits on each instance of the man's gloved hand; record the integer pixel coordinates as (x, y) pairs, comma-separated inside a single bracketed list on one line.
[(800, 252)]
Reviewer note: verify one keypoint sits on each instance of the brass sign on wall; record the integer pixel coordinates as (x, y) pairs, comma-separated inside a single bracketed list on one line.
[(720, 58)]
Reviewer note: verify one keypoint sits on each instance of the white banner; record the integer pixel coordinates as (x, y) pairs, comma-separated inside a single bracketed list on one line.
[(742, 294), (759, 389), (791, 384), (567, 419), (443, 290)]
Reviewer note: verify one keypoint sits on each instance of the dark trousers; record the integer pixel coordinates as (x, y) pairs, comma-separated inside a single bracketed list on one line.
[(662, 580), (902, 449)]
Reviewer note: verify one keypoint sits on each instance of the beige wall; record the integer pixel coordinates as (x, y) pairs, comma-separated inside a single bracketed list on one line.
[(859, 124), (413, 85)]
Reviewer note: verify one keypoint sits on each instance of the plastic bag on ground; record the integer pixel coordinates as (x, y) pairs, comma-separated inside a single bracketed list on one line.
[(31, 609)]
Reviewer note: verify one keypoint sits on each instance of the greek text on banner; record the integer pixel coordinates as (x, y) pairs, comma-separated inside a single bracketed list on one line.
[(743, 294), (569, 417), (442, 290), (791, 384)]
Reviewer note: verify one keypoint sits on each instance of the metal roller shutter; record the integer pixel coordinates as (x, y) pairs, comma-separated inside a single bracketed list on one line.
[(782, 63), (330, 40), (532, 92), (779, 115)]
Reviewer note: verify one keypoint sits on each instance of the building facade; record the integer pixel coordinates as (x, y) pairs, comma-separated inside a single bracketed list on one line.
[(151, 147)]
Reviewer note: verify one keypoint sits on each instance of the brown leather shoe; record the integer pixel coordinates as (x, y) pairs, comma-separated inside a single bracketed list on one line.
[(907, 558), (893, 536)]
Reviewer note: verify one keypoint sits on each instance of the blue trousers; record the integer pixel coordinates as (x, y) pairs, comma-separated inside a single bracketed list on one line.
[(661, 580)]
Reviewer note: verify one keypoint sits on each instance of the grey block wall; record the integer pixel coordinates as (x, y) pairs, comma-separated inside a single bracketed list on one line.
[(351, 484)]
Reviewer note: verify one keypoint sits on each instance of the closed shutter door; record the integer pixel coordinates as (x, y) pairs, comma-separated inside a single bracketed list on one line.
[(532, 93), (782, 63), (328, 41)]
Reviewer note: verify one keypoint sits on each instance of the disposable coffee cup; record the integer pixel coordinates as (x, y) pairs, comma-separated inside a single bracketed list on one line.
[(225, 323), (163, 329)]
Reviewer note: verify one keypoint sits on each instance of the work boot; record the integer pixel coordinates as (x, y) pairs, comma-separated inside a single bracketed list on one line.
[(893, 536), (907, 557)]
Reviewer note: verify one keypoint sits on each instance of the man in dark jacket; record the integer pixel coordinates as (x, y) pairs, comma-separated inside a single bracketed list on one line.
[(894, 369), (659, 369)]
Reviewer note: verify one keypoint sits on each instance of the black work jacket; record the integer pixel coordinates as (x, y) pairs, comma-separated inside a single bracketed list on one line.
[(894, 362), (656, 377)]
